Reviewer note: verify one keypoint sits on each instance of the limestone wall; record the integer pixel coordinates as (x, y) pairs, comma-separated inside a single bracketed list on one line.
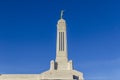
[(19, 77)]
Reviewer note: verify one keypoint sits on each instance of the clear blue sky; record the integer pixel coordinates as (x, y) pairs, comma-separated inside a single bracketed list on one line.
[(28, 36)]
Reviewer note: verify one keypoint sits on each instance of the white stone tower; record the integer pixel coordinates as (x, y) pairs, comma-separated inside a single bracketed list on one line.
[(61, 68), (61, 62)]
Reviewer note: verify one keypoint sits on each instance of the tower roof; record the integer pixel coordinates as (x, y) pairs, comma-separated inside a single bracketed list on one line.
[(61, 21)]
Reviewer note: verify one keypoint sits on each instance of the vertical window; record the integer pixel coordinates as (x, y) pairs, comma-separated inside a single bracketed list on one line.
[(59, 41), (63, 41)]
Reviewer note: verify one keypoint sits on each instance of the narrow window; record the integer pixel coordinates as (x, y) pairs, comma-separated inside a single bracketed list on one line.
[(63, 41), (59, 41)]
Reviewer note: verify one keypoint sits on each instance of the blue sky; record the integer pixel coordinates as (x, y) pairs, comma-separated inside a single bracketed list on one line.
[(28, 36)]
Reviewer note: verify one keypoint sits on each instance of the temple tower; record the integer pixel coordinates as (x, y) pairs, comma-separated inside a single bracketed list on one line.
[(61, 62), (61, 68), (61, 46)]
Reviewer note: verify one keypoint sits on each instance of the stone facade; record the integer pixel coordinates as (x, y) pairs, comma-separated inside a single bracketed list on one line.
[(60, 69), (20, 77)]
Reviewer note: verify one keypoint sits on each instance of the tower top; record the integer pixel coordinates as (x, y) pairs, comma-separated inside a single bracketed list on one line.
[(61, 14), (61, 20)]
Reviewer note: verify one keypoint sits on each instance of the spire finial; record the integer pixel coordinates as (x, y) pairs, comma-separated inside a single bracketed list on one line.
[(61, 14)]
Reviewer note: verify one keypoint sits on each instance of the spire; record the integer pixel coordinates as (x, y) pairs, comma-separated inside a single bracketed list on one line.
[(61, 61), (61, 46), (61, 14)]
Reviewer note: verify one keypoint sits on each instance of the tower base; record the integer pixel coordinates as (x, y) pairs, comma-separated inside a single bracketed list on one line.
[(61, 75)]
